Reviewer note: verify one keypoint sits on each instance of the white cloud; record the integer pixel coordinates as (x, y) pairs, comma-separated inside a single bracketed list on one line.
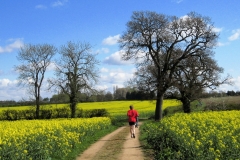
[(7, 82), (11, 95), (236, 82), (59, 3), (104, 70), (51, 67), (111, 40), (177, 1), (9, 90), (220, 44), (102, 87), (235, 87), (115, 59), (116, 76), (103, 50), (15, 44), (184, 17), (217, 29), (235, 35), (40, 6)]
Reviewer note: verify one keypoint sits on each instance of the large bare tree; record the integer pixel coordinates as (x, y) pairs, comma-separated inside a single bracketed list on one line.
[(191, 78), (156, 39), (196, 74), (35, 59), (76, 72)]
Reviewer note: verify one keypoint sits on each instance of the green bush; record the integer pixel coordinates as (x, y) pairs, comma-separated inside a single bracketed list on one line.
[(79, 113), (62, 112), (50, 113), (10, 115), (172, 110), (28, 114), (46, 114), (95, 113)]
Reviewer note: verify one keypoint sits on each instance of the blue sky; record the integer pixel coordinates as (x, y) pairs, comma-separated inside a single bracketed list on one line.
[(100, 23)]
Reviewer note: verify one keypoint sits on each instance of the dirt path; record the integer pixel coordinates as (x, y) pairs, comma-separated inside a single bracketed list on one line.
[(116, 145)]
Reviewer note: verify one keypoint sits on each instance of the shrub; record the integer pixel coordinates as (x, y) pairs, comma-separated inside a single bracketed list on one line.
[(11, 114), (50, 113), (63, 112), (45, 114), (95, 113)]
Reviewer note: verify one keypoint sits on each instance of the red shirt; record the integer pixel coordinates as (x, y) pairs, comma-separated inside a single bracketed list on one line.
[(132, 115)]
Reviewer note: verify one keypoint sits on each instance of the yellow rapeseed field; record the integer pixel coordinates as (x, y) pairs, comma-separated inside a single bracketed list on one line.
[(121, 107), (200, 135), (45, 139), (115, 108)]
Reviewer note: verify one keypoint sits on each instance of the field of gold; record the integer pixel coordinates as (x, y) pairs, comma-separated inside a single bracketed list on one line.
[(121, 107), (200, 135), (46, 139)]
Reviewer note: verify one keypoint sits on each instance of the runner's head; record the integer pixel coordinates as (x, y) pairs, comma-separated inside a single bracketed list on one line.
[(131, 107)]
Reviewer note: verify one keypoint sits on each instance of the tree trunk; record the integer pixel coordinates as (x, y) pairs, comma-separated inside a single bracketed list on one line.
[(158, 110), (37, 108), (186, 105), (73, 110), (37, 96), (73, 105)]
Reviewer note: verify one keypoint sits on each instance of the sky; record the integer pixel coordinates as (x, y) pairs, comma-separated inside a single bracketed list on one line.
[(101, 23)]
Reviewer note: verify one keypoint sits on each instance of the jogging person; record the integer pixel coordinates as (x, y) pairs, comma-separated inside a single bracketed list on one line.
[(132, 115)]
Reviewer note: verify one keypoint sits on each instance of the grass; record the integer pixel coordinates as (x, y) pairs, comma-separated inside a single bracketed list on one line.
[(229, 99), (146, 148), (213, 103)]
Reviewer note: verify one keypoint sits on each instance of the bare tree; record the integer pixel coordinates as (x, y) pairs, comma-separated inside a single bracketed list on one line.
[(120, 93), (108, 96), (191, 78), (35, 59), (156, 39), (145, 78), (194, 75), (76, 72), (100, 96)]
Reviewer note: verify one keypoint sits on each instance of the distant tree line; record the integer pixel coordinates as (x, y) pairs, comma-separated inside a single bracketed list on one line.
[(120, 94)]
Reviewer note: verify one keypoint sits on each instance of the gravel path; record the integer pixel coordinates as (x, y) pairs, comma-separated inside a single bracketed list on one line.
[(116, 145)]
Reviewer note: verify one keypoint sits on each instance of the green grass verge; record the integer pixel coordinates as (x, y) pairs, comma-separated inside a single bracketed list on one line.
[(146, 148)]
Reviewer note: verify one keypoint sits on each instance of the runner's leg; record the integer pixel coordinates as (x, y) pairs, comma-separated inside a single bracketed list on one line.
[(133, 131)]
